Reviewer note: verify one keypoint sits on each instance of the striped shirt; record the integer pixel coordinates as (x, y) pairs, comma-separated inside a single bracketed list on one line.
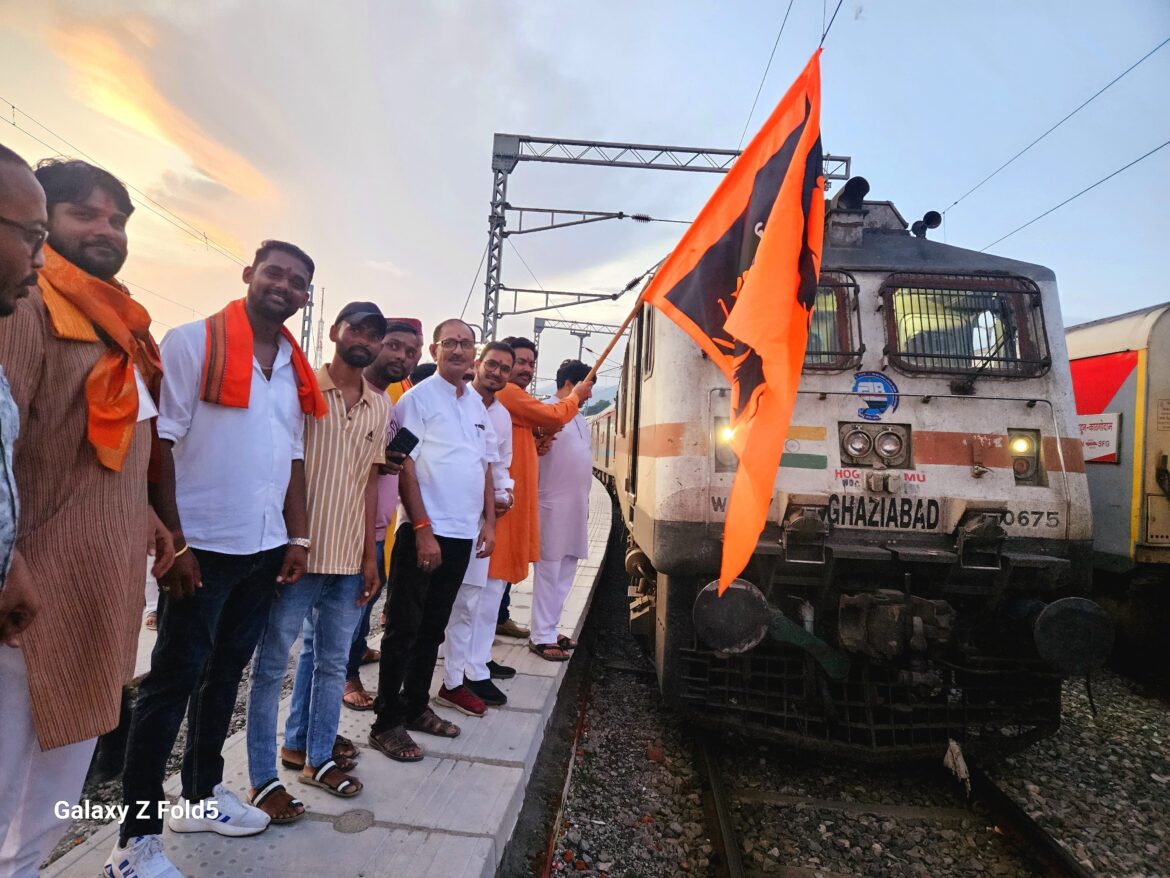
[(79, 544), (340, 448)]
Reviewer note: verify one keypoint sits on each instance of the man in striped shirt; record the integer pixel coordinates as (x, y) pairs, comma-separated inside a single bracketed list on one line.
[(343, 451)]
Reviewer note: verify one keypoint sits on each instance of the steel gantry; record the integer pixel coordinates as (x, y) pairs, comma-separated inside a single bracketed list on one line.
[(581, 329), (510, 149)]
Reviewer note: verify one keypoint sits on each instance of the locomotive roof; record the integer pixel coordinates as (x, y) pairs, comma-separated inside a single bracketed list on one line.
[(890, 250), (887, 246), (1109, 335)]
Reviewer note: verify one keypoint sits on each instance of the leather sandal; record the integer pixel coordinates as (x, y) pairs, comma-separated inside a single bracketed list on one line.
[(396, 744), (356, 696), (278, 799), (330, 778)]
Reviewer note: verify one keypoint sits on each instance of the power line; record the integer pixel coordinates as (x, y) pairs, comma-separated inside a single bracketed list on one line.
[(1074, 197), (183, 305), (825, 33), (163, 212), (1096, 95), (765, 76), (474, 280), (535, 279)]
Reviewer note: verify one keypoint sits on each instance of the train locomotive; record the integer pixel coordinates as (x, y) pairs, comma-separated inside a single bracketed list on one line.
[(922, 572)]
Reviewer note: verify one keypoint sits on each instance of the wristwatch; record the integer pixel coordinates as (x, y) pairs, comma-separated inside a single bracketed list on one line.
[(301, 542)]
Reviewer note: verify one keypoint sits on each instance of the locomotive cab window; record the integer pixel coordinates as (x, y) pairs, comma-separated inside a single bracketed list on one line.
[(965, 324), (834, 333)]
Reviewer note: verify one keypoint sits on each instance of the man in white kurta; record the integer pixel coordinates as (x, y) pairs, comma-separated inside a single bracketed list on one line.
[(566, 474), (467, 650)]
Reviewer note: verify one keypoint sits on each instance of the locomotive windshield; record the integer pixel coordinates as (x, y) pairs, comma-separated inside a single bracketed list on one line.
[(834, 340), (958, 324)]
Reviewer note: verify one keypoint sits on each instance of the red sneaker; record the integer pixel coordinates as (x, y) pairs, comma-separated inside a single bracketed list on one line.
[(462, 699)]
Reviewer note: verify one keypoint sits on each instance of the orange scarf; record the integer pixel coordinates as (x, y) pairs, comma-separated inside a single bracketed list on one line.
[(227, 363), (79, 305)]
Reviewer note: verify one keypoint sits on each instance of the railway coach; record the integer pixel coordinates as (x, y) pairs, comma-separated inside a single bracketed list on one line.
[(920, 578), (1121, 378)]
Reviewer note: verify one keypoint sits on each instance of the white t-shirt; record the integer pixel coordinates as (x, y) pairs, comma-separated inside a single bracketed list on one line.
[(456, 442), (232, 465)]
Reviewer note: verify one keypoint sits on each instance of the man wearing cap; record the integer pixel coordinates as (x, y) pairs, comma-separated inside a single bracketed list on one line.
[(343, 452)]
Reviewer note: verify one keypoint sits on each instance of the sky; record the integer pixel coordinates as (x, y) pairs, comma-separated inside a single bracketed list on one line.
[(363, 132)]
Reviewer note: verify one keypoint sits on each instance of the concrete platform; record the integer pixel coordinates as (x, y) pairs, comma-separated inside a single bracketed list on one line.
[(450, 815)]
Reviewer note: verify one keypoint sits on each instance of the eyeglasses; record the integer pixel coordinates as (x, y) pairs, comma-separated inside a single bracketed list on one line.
[(34, 236), (450, 344)]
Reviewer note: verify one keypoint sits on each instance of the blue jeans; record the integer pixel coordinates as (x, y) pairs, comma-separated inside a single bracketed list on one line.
[(358, 650), (324, 605), (204, 643)]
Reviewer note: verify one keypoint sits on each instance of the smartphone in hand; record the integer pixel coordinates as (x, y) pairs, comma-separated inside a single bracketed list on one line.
[(403, 442)]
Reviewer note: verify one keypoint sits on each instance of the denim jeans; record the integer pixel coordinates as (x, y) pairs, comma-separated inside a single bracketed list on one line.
[(204, 643), (358, 650), (325, 607), (417, 612)]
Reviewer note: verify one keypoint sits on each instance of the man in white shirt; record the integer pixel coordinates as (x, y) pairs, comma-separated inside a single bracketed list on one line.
[(448, 511), (467, 648), (235, 392), (566, 474)]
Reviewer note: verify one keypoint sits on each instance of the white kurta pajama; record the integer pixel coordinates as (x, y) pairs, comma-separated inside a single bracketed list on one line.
[(467, 644), (566, 474)]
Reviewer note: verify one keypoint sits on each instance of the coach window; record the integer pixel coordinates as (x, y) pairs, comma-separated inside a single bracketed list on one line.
[(965, 324), (623, 392), (834, 332), (647, 341)]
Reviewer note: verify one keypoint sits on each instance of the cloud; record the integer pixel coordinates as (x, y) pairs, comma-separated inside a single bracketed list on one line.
[(386, 266), (113, 82)]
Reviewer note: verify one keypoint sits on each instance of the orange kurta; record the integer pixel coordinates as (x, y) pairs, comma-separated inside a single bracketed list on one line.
[(518, 532)]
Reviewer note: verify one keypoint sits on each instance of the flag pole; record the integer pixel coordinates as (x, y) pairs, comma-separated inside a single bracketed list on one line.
[(629, 317), (613, 341)]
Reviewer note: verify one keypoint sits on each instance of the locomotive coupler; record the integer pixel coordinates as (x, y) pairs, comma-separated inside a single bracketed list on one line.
[(886, 623), (979, 544), (742, 618), (803, 535)]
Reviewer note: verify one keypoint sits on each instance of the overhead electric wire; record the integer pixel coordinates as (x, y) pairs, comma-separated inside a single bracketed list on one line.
[(1092, 98), (535, 279), (825, 33), (474, 280), (183, 305), (1074, 197), (763, 78), (163, 212)]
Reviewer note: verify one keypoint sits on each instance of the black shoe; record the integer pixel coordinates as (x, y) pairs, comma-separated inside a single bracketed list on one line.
[(487, 692), (500, 672)]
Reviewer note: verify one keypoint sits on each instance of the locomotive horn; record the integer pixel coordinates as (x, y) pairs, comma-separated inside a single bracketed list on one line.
[(932, 219), (852, 194)]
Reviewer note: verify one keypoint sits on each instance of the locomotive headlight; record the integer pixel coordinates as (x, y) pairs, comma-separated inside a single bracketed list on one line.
[(721, 436), (889, 445), (857, 443), (1024, 446)]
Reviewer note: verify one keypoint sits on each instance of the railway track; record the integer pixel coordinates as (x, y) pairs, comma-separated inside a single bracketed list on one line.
[(1042, 853)]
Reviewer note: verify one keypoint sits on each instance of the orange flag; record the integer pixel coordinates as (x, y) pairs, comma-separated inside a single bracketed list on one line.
[(742, 282)]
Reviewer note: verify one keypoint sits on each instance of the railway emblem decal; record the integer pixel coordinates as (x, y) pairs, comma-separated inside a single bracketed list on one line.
[(878, 393)]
